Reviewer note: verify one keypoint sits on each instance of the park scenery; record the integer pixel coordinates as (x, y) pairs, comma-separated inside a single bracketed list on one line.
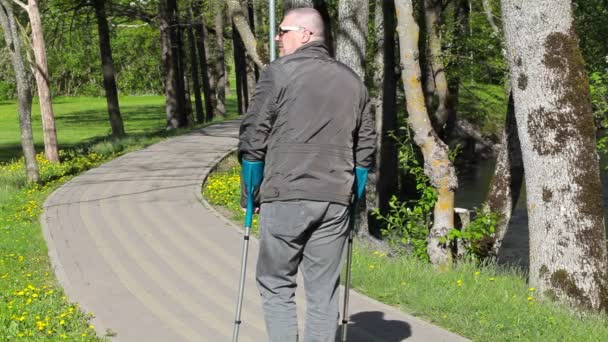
[(485, 213)]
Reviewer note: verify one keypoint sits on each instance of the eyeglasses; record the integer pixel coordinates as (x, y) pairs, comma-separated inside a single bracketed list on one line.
[(284, 29)]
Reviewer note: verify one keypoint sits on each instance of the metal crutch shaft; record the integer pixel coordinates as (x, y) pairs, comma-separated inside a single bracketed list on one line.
[(349, 258), (237, 319)]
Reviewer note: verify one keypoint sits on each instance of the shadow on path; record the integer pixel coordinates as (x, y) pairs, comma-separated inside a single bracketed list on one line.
[(373, 322)]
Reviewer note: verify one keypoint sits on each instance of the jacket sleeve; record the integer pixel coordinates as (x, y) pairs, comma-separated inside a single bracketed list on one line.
[(365, 147), (256, 126)]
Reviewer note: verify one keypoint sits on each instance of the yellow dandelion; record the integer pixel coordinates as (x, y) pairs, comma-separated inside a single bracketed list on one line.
[(531, 289), (91, 326), (459, 282), (491, 279), (477, 273)]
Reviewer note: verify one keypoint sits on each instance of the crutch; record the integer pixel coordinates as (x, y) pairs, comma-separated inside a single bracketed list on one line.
[(360, 180), (252, 176)]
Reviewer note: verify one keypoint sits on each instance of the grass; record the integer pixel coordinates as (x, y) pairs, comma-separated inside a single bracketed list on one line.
[(480, 302), (33, 306), (78, 119)]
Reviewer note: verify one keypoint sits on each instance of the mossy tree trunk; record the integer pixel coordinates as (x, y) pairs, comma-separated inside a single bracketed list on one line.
[(557, 135), (437, 165), (24, 89)]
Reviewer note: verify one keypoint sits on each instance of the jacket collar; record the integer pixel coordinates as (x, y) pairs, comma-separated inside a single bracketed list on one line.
[(314, 47)]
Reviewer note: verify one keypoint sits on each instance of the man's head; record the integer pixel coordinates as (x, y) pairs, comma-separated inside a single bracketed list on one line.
[(299, 26)]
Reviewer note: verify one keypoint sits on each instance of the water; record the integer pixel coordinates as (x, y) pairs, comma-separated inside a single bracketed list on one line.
[(474, 182)]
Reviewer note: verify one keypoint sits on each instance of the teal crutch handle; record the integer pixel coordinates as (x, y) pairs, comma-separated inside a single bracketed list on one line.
[(360, 180), (253, 173)]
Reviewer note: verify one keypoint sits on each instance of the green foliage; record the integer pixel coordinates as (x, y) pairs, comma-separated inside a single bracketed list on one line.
[(476, 55), (598, 82), (476, 236), (406, 225)]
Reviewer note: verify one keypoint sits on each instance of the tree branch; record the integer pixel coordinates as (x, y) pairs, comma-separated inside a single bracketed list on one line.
[(24, 6)]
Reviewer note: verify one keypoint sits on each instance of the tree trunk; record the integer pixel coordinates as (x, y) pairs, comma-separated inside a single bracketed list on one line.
[(41, 72), (293, 4), (351, 49), (220, 62), (176, 109), (239, 70), (206, 70), (384, 81), (352, 33), (437, 165), (508, 178), (185, 115), (198, 103), (107, 66), (437, 81), (557, 135), (24, 90), (239, 20)]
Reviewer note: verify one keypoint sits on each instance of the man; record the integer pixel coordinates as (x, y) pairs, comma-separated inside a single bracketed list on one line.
[(310, 123)]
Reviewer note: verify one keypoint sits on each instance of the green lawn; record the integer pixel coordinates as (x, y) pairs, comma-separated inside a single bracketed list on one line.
[(80, 118)]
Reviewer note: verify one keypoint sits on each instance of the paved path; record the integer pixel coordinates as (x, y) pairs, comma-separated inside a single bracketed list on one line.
[(135, 245)]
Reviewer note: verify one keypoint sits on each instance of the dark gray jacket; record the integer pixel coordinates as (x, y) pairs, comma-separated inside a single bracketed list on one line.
[(310, 122)]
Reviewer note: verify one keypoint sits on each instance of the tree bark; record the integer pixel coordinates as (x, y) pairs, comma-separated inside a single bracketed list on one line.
[(220, 62), (238, 15), (508, 177), (206, 70), (239, 70), (437, 81), (293, 4), (198, 103), (174, 91), (437, 165), (41, 73), (24, 90), (107, 66), (557, 135), (352, 33), (384, 81)]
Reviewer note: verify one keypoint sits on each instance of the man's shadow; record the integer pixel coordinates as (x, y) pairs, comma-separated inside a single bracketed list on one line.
[(370, 326)]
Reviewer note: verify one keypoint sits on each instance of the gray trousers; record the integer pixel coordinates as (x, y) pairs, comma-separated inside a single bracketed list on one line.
[(311, 235)]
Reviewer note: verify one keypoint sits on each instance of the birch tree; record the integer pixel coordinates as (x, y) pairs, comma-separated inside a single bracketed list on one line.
[(557, 135), (41, 73), (24, 89), (437, 165)]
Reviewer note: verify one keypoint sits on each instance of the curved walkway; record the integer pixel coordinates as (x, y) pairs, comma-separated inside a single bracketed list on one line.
[(132, 242)]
